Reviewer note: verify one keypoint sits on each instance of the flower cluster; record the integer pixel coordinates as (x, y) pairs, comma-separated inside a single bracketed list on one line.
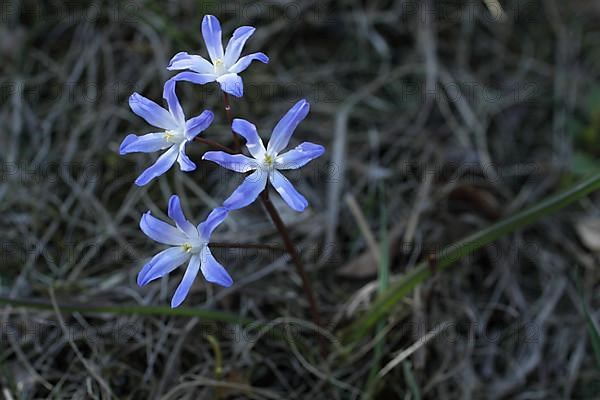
[(189, 243)]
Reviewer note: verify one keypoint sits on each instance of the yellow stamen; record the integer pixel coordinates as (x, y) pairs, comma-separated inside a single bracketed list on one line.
[(219, 67), (187, 247), (268, 160), (169, 135)]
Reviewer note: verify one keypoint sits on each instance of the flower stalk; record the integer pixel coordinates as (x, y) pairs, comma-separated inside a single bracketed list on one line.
[(214, 144), (296, 259), (289, 245)]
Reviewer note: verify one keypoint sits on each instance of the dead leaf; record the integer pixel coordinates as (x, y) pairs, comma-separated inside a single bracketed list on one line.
[(476, 199), (589, 232), (363, 266)]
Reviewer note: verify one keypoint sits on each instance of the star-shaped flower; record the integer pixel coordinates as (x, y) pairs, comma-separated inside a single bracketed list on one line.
[(177, 132), (267, 163), (189, 243), (224, 67)]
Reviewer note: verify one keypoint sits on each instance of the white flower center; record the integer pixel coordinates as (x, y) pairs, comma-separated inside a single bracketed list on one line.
[(194, 246), (268, 160), (219, 67), (268, 163), (174, 136)]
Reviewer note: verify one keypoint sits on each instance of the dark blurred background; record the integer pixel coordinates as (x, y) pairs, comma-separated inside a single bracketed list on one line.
[(439, 118)]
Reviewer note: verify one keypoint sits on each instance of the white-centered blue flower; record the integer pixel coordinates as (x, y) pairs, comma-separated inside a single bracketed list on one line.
[(224, 66), (267, 163), (189, 244), (177, 132)]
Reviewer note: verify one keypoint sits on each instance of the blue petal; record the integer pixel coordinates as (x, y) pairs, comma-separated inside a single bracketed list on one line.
[(154, 114), (232, 84), (162, 165), (198, 124), (211, 32), (236, 44), (163, 263), (288, 192), (245, 61), (185, 164), (248, 131), (299, 156), (233, 162), (143, 272), (160, 231), (213, 271), (194, 63), (176, 214), (198, 79), (174, 106), (286, 126), (213, 220), (145, 144), (248, 191), (186, 283)]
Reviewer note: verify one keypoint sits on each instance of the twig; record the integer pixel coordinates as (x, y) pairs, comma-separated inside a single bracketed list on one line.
[(214, 144), (245, 246)]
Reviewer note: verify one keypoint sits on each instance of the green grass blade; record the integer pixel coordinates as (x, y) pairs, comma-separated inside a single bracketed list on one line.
[(410, 380), (594, 334), (593, 330), (383, 273), (217, 316), (396, 292)]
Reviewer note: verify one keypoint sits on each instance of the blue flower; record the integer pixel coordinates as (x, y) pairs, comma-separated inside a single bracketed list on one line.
[(225, 66), (177, 132), (189, 243), (266, 163)]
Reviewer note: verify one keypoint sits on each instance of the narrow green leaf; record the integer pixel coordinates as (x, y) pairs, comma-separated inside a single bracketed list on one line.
[(217, 316), (410, 380), (591, 324), (594, 335), (396, 292), (383, 273)]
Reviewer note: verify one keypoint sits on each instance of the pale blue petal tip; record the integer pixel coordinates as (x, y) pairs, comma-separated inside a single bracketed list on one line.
[(222, 279), (126, 142), (176, 302), (263, 58), (227, 281), (173, 205), (142, 275), (143, 179)]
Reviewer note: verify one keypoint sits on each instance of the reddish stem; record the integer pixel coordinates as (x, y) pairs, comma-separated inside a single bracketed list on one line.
[(284, 233), (297, 260), (258, 246), (214, 144)]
